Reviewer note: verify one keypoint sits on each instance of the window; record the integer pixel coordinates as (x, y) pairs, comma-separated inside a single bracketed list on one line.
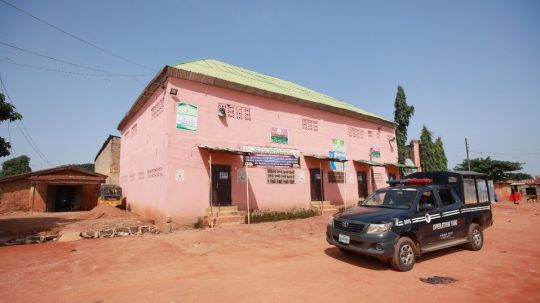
[(447, 198), (236, 112), (311, 125), (427, 198), (280, 176), (355, 132), (336, 177)]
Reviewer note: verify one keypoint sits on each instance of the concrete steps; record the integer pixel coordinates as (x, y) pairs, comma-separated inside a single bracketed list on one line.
[(222, 215), (324, 207)]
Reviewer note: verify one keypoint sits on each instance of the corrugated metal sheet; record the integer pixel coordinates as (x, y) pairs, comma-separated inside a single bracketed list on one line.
[(224, 71)]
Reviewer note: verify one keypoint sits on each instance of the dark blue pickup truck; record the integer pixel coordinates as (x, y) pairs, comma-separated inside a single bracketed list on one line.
[(422, 213)]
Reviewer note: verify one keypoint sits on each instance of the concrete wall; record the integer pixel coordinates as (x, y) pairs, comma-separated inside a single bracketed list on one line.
[(164, 172), (108, 161)]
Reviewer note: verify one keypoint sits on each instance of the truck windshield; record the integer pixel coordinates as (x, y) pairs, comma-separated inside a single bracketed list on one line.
[(392, 198)]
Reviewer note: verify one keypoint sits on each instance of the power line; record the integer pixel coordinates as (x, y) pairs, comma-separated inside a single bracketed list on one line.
[(108, 73), (10, 61), (74, 36), (26, 135)]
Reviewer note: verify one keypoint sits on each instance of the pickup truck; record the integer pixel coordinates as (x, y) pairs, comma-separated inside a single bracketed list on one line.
[(419, 214)]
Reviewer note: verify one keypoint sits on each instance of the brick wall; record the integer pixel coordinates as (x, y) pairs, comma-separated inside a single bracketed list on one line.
[(15, 196)]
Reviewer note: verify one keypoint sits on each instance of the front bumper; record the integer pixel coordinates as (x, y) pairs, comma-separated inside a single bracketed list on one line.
[(381, 245)]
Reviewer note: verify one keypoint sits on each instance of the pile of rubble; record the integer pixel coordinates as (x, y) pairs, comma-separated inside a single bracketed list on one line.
[(120, 232), (29, 240)]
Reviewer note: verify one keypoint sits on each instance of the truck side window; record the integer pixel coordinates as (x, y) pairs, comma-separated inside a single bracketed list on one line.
[(428, 198), (446, 196)]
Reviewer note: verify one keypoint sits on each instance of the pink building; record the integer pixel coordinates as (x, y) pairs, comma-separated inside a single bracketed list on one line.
[(208, 133)]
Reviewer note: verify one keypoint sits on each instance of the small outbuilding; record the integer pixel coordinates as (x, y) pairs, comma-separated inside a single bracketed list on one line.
[(64, 188)]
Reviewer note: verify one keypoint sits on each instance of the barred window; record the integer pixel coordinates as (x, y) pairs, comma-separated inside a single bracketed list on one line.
[(336, 177), (280, 176), (310, 125)]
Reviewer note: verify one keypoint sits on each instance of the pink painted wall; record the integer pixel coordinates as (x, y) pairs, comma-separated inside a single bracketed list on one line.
[(157, 143)]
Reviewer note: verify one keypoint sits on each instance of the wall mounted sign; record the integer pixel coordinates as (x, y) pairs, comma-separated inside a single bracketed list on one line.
[(186, 116), (271, 150), (279, 135), (338, 145), (375, 151), (268, 160)]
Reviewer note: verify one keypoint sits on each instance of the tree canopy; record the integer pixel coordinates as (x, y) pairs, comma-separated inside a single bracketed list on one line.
[(15, 166), (432, 155), (85, 166), (496, 170), (402, 115), (7, 112)]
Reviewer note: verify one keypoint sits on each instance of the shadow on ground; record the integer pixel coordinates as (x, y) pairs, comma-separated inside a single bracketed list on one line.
[(23, 227), (356, 259)]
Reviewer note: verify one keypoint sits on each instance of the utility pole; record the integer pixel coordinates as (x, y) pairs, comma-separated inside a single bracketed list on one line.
[(467, 149)]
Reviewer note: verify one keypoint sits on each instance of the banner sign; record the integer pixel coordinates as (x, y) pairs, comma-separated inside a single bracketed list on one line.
[(279, 135), (186, 116), (271, 150), (375, 151), (334, 165), (268, 160)]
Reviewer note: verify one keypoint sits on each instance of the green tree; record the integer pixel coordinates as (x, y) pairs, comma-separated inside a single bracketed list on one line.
[(7, 112), (427, 151), (15, 166), (402, 116), (440, 155), (495, 169)]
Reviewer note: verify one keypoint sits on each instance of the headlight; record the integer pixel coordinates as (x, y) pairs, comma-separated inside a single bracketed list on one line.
[(379, 228), (331, 221)]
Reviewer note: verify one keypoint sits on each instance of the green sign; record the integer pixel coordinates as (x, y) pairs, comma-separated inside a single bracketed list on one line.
[(279, 135), (338, 145), (186, 116), (375, 151)]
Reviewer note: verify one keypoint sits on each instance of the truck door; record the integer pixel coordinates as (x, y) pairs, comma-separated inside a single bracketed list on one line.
[(453, 221), (428, 215)]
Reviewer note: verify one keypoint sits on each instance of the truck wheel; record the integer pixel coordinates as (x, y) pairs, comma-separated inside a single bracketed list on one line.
[(475, 237), (404, 255)]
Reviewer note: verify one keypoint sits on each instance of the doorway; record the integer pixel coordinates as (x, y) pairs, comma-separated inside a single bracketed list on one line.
[(361, 176), (64, 198), (221, 185), (316, 181)]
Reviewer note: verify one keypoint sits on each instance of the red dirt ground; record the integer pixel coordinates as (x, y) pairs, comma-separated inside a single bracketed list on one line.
[(287, 261)]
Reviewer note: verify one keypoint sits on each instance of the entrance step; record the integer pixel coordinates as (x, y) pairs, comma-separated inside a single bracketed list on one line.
[(221, 215), (324, 207)]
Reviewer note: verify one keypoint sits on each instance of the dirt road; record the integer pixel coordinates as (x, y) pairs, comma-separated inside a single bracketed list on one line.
[(286, 261)]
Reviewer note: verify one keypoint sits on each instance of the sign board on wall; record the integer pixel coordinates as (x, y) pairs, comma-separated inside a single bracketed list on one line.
[(338, 145), (264, 156), (279, 135), (271, 150), (269, 160), (375, 151), (186, 116)]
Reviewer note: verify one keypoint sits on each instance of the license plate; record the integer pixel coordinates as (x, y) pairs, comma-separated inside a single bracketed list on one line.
[(344, 239)]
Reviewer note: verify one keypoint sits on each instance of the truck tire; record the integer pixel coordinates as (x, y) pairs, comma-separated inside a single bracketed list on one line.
[(404, 255), (475, 236)]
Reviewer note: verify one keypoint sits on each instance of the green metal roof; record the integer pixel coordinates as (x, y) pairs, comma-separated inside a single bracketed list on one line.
[(242, 76)]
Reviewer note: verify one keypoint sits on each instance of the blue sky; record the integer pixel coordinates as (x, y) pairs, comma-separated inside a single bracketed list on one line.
[(470, 68)]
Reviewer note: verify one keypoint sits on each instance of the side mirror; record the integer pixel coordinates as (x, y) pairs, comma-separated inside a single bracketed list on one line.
[(426, 207)]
